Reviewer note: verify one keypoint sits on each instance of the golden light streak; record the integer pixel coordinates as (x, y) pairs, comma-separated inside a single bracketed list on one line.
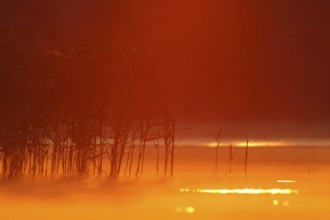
[(248, 191), (271, 143), (286, 181), (253, 144), (261, 144), (213, 144), (188, 209)]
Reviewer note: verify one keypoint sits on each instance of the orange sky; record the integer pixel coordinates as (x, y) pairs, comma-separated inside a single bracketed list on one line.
[(245, 64)]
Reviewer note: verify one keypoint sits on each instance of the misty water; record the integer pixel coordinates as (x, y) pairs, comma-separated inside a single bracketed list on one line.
[(286, 184)]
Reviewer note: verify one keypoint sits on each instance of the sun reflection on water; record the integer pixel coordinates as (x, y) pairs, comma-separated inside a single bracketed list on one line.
[(286, 181), (251, 191), (188, 209), (284, 203)]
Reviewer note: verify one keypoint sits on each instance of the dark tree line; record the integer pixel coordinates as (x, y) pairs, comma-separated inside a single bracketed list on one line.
[(69, 109)]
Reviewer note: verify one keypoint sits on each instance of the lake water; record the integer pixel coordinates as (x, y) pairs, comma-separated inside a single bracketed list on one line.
[(296, 189)]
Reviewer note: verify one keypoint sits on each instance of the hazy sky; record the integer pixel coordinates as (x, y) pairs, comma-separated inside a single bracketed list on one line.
[(258, 67), (261, 61), (242, 63)]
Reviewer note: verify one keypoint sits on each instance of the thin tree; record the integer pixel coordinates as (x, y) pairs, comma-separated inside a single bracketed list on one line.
[(217, 137), (246, 156), (156, 144), (231, 156)]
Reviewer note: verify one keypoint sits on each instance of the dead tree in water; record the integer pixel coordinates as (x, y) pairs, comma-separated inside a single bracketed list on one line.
[(246, 156), (156, 144), (131, 148), (169, 139), (144, 130), (217, 137), (231, 157)]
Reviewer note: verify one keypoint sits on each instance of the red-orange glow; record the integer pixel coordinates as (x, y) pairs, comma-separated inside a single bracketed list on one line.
[(164, 109), (246, 191), (256, 144)]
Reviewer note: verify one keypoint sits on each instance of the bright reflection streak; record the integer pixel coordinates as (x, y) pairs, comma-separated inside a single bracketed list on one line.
[(262, 144), (254, 144), (286, 181), (212, 144), (184, 190), (271, 143), (188, 209), (244, 191)]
